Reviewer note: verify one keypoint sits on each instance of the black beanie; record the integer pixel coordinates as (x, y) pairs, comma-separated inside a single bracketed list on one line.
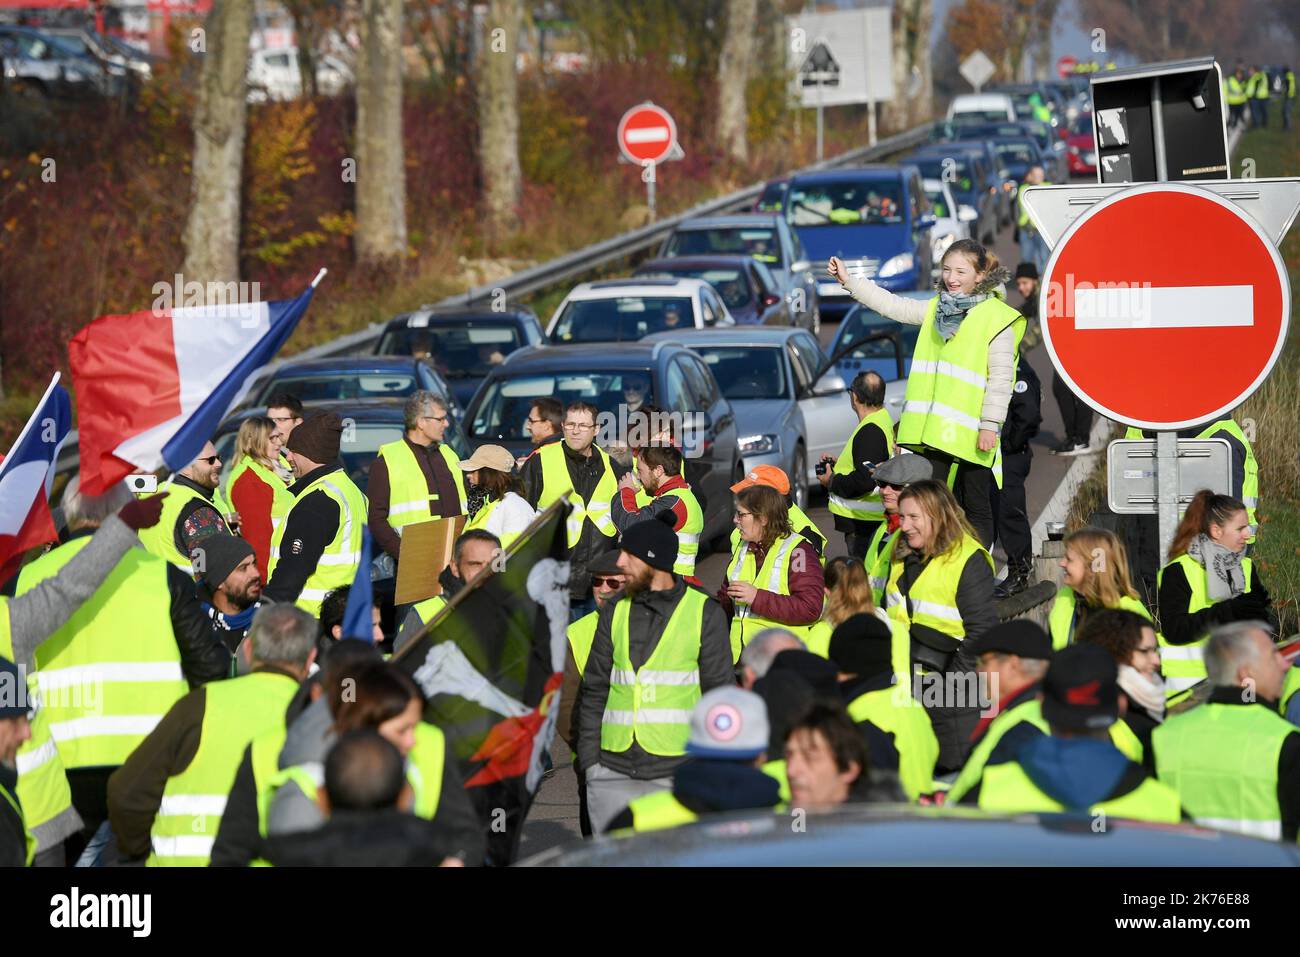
[(788, 697), (814, 669), (861, 646), (215, 556), (651, 541), (318, 437)]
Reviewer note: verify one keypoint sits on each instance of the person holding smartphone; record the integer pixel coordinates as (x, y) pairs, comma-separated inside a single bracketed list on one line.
[(854, 497)]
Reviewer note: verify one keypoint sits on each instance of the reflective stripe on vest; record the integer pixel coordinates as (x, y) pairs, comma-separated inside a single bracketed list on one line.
[(338, 563), (1184, 665), (160, 539), (1060, 622), (945, 387), (557, 484), (103, 686), (976, 765), (408, 490), (894, 711), (801, 523), (659, 811), (934, 593), (869, 507), (581, 634), (652, 705), (1008, 789), (281, 498), (688, 536), (234, 712), (1222, 761), (774, 576)]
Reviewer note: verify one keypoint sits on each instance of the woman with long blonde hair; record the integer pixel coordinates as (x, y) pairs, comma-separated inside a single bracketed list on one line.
[(1094, 576), (254, 490), (848, 593)]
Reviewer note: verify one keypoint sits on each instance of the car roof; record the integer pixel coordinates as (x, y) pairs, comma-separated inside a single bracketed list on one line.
[(694, 262), (365, 412), (345, 364), (743, 335), (730, 222), (873, 171), (428, 315), (579, 357), (636, 286)]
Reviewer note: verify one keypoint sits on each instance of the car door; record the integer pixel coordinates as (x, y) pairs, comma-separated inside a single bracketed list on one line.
[(827, 416), (773, 310)]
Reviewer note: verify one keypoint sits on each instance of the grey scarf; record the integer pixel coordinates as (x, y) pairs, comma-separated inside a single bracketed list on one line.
[(952, 310), (1146, 693), (1224, 575)]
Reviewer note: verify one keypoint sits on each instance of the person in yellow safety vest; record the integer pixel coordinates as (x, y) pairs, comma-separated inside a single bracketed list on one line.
[(502, 509), (1012, 660), (41, 794), (962, 371), (1032, 247), (891, 477), (1042, 112), (544, 425), (848, 593), (475, 549), (583, 475), (941, 589), (1234, 761), (166, 800), (1076, 768), (1207, 582), (104, 685), (254, 488), (773, 579), (318, 546), (1259, 92), (1288, 97), (673, 503), (1131, 640), (607, 581), (190, 511), (827, 762), (17, 845), (417, 478), (895, 726), (854, 499), (1234, 94), (1094, 576), (774, 477), (656, 651), (726, 751)]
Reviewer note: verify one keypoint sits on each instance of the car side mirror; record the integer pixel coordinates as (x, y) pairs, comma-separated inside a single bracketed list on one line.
[(926, 222), (831, 383)]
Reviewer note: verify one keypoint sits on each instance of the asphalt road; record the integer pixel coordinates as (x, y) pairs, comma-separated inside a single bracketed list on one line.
[(554, 816)]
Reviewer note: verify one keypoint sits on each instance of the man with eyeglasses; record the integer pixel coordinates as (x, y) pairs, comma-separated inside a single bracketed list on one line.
[(285, 410), (580, 472), (191, 512), (545, 424), (854, 498), (418, 477)]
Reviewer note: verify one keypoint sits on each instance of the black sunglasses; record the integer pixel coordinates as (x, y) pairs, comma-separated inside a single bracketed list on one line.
[(211, 459), (602, 582), (890, 485)]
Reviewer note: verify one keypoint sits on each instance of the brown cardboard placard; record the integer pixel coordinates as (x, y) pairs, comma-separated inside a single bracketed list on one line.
[(426, 551)]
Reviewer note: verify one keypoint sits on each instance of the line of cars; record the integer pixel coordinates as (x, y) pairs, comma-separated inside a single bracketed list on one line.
[(68, 63)]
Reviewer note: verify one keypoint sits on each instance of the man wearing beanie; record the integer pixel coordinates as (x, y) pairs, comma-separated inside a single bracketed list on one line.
[(900, 738), (230, 585), (656, 651), (317, 547), (727, 749), (1077, 768)]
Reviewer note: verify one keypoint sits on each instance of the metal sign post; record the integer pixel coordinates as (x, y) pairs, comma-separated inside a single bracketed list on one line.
[(648, 177), (821, 70)]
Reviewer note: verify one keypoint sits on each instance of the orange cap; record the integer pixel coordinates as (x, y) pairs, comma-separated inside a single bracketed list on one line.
[(768, 475)]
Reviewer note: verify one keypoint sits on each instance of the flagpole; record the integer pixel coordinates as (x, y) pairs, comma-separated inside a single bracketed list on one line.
[(319, 276)]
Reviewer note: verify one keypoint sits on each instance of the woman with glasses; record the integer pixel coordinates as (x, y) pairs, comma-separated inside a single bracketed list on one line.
[(254, 489), (774, 579), (1094, 576), (1131, 640), (494, 496)]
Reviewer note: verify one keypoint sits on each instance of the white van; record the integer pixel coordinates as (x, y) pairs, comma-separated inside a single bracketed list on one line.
[(988, 107)]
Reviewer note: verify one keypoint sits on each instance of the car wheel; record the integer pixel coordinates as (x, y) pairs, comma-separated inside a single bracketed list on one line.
[(799, 474)]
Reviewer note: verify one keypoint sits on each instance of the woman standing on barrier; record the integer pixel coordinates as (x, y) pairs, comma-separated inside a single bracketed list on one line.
[(1207, 582), (1094, 576), (941, 588), (962, 371)]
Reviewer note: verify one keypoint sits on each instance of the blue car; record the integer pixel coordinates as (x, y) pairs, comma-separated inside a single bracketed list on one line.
[(876, 218)]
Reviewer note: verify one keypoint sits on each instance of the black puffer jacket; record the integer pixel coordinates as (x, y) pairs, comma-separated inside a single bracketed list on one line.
[(363, 839)]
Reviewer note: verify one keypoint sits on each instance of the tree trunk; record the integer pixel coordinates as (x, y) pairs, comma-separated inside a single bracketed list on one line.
[(498, 115), (733, 74), (212, 229), (910, 38), (381, 173), (1044, 20)]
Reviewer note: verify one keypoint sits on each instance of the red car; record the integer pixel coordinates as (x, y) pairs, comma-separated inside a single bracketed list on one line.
[(1081, 148)]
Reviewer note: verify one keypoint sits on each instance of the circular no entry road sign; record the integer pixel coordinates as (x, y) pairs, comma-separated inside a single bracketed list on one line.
[(646, 134), (1164, 306)]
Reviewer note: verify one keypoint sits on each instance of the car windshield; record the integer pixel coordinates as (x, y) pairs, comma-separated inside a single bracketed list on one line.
[(622, 318), (466, 351), (746, 372), (773, 197), (327, 386), (934, 193), (878, 354), (1012, 152), (979, 116), (1083, 125), (731, 283), (952, 168), (502, 413), (845, 203), (759, 242)]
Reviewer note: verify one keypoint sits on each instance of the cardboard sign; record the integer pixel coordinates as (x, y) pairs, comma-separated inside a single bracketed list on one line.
[(426, 551)]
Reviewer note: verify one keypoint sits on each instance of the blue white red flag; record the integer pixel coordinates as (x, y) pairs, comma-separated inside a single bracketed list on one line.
[(26, 476)]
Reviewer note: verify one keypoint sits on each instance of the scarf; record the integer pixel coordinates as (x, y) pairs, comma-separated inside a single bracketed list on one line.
[(1147, 693), (952, 310), (475, 499), (1224, 576)]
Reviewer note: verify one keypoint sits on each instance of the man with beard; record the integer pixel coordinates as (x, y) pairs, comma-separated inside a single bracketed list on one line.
[(656, 651), (230, 585), (191, 512)]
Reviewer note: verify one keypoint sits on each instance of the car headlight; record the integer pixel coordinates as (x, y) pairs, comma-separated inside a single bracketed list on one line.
[(759, 444), (895, 265)]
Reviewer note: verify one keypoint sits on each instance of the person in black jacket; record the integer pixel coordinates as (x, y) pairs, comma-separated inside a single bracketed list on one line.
[(14, 730), (1131, 641), (870, 447), (1010, 512)]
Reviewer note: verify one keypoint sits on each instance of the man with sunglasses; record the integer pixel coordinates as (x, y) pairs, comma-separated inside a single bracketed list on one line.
[(854, 499), (191, 512)]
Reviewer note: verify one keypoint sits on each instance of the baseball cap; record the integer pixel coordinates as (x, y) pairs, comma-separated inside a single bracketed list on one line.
[(1020, 636), (1081, 690), (768, 475), (491, 457), (606, 563), (728, 723)]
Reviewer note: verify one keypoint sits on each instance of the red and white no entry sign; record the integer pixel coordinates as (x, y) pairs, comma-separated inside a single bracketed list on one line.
[(646, 134), (1165, 306)]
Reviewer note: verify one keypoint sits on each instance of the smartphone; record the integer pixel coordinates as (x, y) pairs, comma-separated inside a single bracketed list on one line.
[(142, 484)]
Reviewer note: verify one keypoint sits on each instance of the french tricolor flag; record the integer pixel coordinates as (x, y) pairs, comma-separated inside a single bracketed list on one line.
[(152, 387), (26, 476)]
